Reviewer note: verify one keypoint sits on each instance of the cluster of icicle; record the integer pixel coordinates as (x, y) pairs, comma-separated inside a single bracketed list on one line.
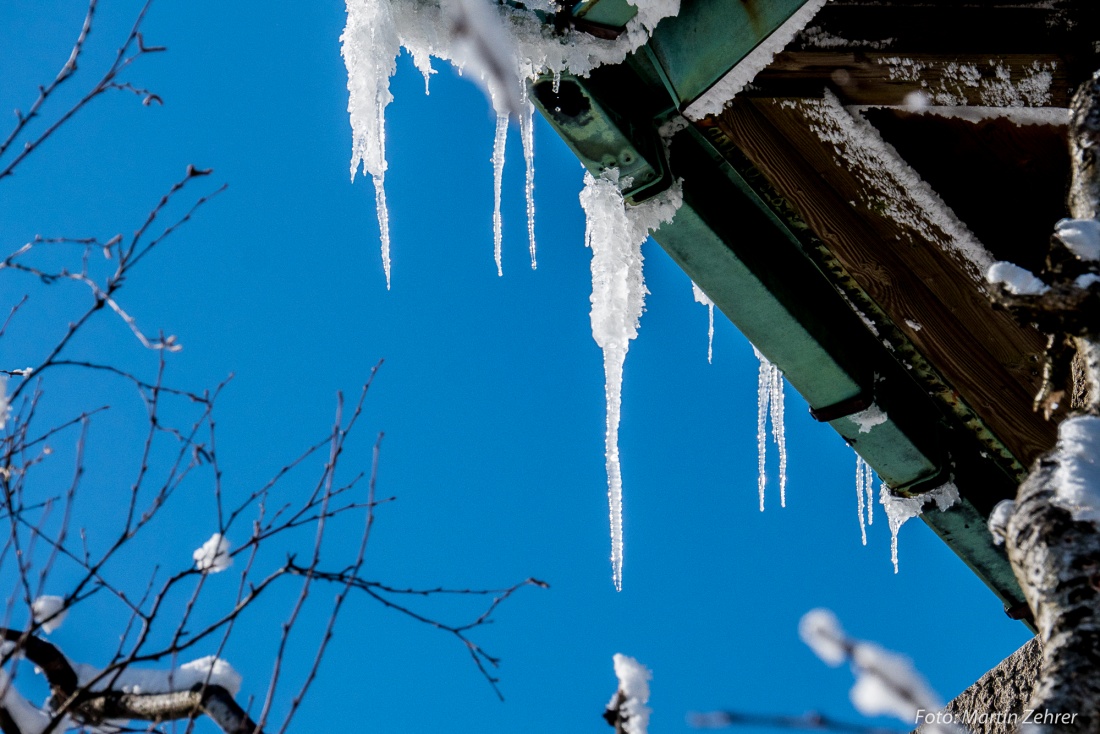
[(615, 232), (769, 404), (498, 45)]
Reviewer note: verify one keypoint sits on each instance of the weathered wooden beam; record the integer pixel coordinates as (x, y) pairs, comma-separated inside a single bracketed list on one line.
[(865, 76), (897, 252)]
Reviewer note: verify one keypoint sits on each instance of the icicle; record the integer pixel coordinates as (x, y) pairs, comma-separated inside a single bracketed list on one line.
[(779, 433), (702, 298), (763, 396), (859, 498), (618, 293), (370, 48), (383, 224), (557, 81), (499, 143), (527, 136), (615, 235), (769, 404), (899, 509), (865, 495)]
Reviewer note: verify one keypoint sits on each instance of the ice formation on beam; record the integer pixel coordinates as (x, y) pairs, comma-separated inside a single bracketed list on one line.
[(899, 509), (702, 298), (615, 233), (769, 404), (865, 496), (715, 99), (496, 44)]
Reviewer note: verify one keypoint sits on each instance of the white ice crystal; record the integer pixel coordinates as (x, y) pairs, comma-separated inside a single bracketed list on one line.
[(49, 611), (634, 683), (213, 555), (614, 233)]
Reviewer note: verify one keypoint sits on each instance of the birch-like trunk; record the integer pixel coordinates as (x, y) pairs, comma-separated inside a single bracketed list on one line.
[(1057, 558)]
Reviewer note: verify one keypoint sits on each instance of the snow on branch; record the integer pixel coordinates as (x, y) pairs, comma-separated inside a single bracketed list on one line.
[(886, 683)]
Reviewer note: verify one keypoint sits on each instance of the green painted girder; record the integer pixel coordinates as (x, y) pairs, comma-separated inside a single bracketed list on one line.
[(751, 263)]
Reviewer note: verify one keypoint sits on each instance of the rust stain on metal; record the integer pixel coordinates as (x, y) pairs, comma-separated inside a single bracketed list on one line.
[(752, 10)]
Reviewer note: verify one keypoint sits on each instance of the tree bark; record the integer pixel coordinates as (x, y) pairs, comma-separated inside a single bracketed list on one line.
[(1055, 556)]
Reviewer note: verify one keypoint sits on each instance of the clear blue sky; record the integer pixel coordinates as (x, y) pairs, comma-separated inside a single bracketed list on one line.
[(491, 396)]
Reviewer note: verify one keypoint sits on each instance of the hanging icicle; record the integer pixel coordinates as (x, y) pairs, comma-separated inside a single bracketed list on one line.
[(702, 298), (865, 496), (527, 137), (615, 233), (500, 141), (769, 404)]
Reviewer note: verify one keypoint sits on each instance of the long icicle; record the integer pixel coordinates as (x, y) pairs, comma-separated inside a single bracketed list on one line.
[(500, 142), (527, 137), (859, 499), (618, 298), (779, 433), (763, 397)]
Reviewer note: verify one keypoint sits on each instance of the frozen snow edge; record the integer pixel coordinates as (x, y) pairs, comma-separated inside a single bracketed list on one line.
[(722, 92)]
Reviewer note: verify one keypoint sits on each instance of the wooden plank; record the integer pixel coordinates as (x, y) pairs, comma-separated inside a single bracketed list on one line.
[(984, 354), (883, 77)]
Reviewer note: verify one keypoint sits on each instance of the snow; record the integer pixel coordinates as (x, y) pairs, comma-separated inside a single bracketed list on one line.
[(213, 556), (715, 99), (1081, 236), (634, 683), (955, 84), (49, 611), (769, 404), (919, 102), (615, 234), (5, 401), (499, 142), (914, 325), (891, 185), (702, 298), (865, 496), (900, 509), (886, 683), (1015, 279), (998, 520), (867, 419), (1081, 281), (29, 718), (820, 629), (210, 670), (1077, 477)]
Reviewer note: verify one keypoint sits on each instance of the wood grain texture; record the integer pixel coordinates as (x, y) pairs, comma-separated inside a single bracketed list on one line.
[(989, 359)]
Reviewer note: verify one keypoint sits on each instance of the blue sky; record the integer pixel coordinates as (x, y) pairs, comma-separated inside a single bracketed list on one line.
[(491, 396)]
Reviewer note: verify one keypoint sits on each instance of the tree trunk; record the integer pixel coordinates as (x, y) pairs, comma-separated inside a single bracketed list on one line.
[(1055, 556)]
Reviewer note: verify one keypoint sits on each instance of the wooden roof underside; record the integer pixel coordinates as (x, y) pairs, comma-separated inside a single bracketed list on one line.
[(841, 133)]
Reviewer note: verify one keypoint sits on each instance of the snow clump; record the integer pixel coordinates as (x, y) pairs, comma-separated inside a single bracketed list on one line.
[(213, 555)]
